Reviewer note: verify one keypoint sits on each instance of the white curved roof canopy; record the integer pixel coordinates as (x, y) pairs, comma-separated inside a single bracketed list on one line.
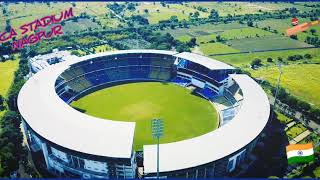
[(240, 131), (56, 121)]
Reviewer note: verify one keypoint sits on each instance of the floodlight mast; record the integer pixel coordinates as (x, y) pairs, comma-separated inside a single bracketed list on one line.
[(157, 132), (276, 93)]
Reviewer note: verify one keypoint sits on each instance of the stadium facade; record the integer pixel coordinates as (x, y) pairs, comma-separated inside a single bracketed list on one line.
[(68, 143)]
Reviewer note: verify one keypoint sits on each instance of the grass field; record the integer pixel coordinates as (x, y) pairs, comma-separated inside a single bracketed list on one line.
[(266, 43), (83, 24), (226, 31), (281, 25), (282, 118), (215, 48), (21, 13), (7, 70), (86, 40), (203, 29), (184, 115), (102, 48), (300, 80), (295, 130), (244, 33)]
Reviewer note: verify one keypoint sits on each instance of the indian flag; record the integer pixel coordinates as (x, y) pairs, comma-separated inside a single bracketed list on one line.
[(300, 153)]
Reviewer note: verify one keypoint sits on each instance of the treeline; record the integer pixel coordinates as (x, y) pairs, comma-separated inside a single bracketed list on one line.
[(165, 41), (313, 41), (305, 108), (10, 143), (257, 62), (6, 49), (11, 150), (294, 103)]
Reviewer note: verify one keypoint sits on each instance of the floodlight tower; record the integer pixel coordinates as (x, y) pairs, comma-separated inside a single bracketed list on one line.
[(157, 133), (277, 91)]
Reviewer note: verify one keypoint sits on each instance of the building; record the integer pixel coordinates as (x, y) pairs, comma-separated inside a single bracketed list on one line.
[(40, 62), (68, 143)]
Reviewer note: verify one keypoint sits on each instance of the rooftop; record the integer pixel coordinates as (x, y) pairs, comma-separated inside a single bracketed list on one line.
[(244, 128)]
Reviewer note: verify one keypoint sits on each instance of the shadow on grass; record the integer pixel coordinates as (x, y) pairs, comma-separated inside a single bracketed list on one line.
[(79, 109)]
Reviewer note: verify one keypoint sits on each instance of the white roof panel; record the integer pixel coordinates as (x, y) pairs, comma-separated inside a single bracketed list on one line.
[(240, 131), (57, 122)]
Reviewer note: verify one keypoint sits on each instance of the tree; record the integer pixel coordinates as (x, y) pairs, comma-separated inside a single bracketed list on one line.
[(11, 117), (314, 113), (196, 15), (269, 59), (218, 38), (256, 62), (294, 37), (250, 23), (77, 53), (313, 31), (214, 15), (182, 47), (1, 103), (303, 106), (291, 101), (280, 59), (146, 11), (174, 19), (192, 42), (307, 56), (131, 7)]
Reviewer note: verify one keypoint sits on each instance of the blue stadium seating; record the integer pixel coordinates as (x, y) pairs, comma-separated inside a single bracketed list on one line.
[(207, 93), (103, 70), (181, 81)]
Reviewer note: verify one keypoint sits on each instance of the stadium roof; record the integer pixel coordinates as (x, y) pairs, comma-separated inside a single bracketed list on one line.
[(57, 122), (208, 62), (240, 131)]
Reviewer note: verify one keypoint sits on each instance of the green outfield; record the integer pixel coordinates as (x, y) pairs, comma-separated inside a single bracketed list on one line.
[(185, 115)]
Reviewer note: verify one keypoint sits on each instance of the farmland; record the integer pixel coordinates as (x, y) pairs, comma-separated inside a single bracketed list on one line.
[(203, 29), (21, 13), (300, 80), (157, 12), (281, 25), (244, 33), (266, 43), (243, 60), (82, 24), (215, 48), (236, 35)]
